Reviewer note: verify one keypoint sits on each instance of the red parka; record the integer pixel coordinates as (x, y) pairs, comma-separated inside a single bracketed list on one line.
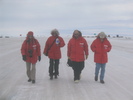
[(77, 49), (100, 50), (32, 46), (54, 52)]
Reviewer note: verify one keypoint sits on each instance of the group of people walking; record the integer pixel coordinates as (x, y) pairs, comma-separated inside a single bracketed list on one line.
[(77, 52)]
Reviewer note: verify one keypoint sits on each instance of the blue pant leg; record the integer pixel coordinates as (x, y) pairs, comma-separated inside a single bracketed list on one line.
[(102, 71), (97, 68)]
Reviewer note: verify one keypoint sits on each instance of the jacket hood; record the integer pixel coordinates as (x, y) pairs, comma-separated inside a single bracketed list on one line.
[(80, 34), (30, 33), (55, 33), (101, 35)]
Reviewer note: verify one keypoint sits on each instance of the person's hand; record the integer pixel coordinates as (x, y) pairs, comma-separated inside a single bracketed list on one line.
[(46, 54), (68, 57), (39, 58), (86, 56), (24, 57)]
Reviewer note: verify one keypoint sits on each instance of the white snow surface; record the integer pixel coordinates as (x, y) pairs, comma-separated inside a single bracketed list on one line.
[(118, 77)]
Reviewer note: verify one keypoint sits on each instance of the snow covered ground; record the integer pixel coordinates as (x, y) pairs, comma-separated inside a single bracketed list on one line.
[(118, 78)]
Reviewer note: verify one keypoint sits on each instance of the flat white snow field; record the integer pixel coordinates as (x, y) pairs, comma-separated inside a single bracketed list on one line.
[(118, 77)]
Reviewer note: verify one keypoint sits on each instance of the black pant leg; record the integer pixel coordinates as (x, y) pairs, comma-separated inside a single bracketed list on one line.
[(77, 67), (56, 67), (81, 64), (51, 62)]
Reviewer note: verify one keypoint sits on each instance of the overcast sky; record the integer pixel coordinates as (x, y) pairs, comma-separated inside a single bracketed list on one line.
[(89, 16)]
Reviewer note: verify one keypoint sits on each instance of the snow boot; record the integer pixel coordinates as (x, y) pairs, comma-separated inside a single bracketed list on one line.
[(76, 81), (56, 77), (29, 80), (96, 78), (33, 81), (51, 77), (102, 81)]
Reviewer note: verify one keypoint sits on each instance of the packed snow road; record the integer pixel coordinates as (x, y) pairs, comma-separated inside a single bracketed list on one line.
[(118, 77)]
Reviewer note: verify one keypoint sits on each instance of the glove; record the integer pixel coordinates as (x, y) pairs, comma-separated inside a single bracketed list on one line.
[(39, 58), (24, 57)]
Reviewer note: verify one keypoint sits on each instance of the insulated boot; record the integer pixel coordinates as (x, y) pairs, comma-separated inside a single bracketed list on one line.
[(51, 77), (33, 81), (76, 81), (96, 78), (102, 81), (29, 80), (56, 77)]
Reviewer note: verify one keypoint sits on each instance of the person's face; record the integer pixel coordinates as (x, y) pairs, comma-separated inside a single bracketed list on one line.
[(76, 34), (102, 37), (54, 34), (30, 36)]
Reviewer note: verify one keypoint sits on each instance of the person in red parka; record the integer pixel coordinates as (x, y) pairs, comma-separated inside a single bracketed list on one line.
[(30, 51), (52, 50), (100, 46), (77, 52)]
